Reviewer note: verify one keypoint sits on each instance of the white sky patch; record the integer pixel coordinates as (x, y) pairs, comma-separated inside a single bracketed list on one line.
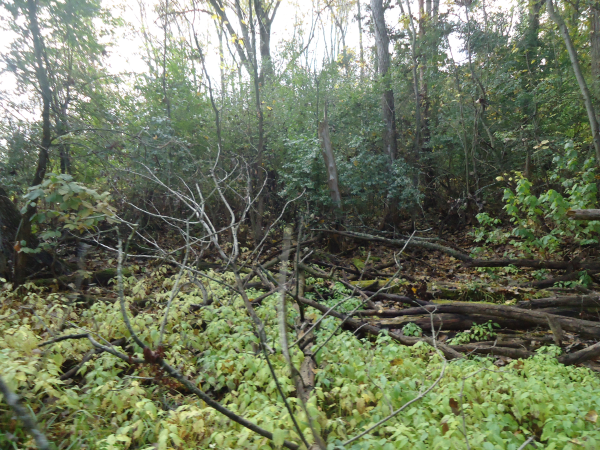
[(293, 17)]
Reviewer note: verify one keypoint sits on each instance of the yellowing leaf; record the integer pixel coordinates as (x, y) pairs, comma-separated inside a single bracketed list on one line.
[(278, 437), (360, 406), (591, 416)]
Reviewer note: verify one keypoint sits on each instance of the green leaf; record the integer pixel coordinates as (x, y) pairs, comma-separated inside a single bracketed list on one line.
[(35, 194), (278, 437)]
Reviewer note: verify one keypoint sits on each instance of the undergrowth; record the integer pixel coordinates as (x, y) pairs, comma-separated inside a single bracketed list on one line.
[(112, 405)]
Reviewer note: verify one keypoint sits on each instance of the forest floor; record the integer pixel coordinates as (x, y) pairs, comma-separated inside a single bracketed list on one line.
[(500, 348)]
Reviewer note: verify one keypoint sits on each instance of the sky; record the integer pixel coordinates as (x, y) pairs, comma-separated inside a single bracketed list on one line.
[(125, 56)]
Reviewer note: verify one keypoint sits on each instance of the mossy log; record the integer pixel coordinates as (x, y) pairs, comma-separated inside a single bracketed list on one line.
[(451, 322)]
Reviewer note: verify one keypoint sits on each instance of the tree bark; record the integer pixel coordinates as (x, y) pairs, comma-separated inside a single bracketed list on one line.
[(388, 109), (329, 157), (595, 47), (10, 218), (584, 214), (583, 327), (24, 236), (587, 98)]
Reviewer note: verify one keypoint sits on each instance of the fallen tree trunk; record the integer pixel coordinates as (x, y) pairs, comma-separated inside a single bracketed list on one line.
[(579, 300), (584, 214), (397, 298), (543, 284), (536, 264), (583, 327), (453, 351), (414, 242), (450, 322), (373, 330), (580, 356)]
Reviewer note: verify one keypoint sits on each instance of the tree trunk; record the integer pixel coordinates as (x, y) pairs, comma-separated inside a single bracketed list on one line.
[(264, 31), (328, 156), (587, 98), (360, 41), (10, 218), (24, 236), (595, 47), (383, 58)]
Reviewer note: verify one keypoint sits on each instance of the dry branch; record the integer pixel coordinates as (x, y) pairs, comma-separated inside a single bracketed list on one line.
[(536, 264), (373, 330), (414, 242), (397, 298), (579, 300), (481, 348), (584, 214), (14, 402), (583, 327)]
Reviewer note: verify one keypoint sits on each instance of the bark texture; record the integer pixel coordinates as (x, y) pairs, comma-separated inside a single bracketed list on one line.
[(388, 109), (328, 156), (585, 92), (41, 73)]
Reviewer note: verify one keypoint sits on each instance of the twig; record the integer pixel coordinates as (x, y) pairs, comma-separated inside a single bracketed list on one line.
[(28, 420), (402, 408), (527, 442)]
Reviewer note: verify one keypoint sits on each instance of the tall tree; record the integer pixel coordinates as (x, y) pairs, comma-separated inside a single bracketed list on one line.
[(56, 58), (388, 109), (585, 92), (24, 236), (595, 47), (257, 18), (360, 40)]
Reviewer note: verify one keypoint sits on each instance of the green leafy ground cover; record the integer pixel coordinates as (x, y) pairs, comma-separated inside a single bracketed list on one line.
[(112, 405)]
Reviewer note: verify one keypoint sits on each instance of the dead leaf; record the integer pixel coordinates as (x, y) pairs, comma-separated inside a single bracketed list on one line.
[(360, 406), (591, 416), (454, 406)]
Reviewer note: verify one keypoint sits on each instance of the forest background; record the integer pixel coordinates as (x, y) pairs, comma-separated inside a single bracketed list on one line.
[(185, 184)]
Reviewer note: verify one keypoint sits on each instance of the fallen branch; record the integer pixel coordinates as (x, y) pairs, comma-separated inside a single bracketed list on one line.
[(584, 214), (579, 300), (549, 282), (373, 330), (397, 298), (583, 327), (73, 371), (535, 264), (14, 402), (403, 242), (591, 352), (479, 349)]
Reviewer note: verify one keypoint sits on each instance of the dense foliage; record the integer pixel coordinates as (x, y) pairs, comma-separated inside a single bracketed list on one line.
[(232, 143), (115, 406)]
